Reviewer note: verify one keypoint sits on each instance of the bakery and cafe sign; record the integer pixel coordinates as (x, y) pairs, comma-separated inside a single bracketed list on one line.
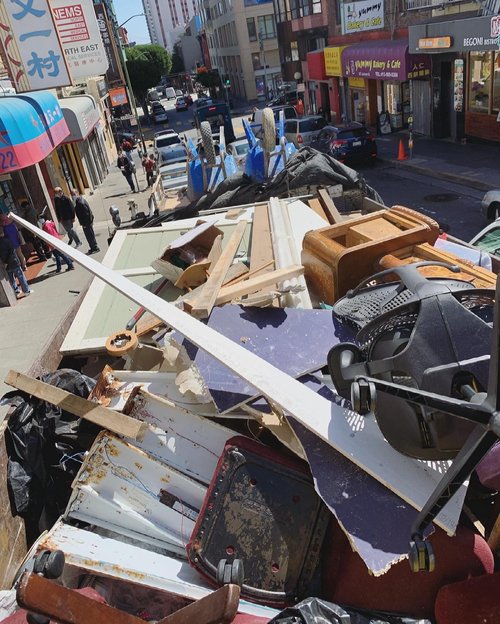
[(467, 35)]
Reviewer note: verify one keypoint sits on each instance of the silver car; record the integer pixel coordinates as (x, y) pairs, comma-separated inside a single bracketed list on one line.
[(304, 130), (490, 205)]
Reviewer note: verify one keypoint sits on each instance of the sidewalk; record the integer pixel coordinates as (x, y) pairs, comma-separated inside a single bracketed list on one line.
[(472, 164), (115, 191), (27, 327)]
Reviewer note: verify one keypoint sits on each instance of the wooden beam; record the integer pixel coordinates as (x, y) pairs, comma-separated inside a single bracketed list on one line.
[(247, 274), (254, 284), (358, 438), (261, 248), (332, 214), (316, 205), (102, 416), (203, 304)]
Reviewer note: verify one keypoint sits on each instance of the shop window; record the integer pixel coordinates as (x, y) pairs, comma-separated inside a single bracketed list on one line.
[(294, 46), (266, 27), (496, 83), (252, 33), (479, 81)]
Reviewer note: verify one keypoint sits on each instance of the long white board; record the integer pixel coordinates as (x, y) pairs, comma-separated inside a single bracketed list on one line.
[(358, 439)]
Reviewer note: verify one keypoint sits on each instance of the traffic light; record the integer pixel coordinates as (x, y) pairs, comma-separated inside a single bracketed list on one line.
[(228, 83)]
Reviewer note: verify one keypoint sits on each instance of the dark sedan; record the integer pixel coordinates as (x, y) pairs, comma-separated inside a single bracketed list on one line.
[(347, 143)]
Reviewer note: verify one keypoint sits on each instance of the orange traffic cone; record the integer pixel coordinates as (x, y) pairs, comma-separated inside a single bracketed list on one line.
[(401, 152)]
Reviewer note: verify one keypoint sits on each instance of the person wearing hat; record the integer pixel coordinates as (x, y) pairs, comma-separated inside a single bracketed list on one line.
[(65, 212)]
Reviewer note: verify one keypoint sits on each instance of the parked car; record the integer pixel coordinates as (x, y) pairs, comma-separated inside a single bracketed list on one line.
[(347, 143), (178, 93), (171, 154), (165, 139), (239, 149), (181, 104), (153, 96), (158, 113), (170, 93), (303, 131), (162, 89), (490, 204)]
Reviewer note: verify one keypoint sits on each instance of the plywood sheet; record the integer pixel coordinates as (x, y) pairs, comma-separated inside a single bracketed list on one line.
[(295, 341)]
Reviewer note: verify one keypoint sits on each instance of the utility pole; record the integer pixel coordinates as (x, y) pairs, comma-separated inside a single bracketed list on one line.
[(131, 97)]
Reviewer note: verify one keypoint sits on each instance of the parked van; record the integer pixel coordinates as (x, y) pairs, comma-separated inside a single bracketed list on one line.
[(170, 93)]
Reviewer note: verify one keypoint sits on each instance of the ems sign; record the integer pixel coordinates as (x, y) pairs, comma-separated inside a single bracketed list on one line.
[(80, 36)]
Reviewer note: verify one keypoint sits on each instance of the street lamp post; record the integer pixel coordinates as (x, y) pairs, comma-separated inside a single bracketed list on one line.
[(127, 80)]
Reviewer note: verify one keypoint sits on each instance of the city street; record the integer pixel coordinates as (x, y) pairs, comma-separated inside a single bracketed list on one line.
[(453, 205)]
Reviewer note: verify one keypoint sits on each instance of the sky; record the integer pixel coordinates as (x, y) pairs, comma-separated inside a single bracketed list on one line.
[(137, 28)]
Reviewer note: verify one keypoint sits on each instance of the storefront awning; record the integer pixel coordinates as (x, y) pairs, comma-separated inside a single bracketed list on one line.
[(23, 137), (384, 60), (316, 65), (81, 115), (47, 106)]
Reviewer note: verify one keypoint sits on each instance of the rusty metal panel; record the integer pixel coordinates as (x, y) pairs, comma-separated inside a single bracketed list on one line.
[(118, 560), (124, 489)]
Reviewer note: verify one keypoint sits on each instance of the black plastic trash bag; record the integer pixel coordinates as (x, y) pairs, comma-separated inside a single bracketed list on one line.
[(45, 447), (316, 611)]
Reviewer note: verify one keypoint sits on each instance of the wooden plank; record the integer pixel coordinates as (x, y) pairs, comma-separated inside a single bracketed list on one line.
[(219, 607), (236, 272), (315, 204), (102, 416), (254, 284), (333, 215), (203, 304), (359, 439), (246, 274), (261, 248)]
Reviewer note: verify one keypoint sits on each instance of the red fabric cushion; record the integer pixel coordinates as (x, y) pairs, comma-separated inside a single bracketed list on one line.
[(476, 601), (346, 579)]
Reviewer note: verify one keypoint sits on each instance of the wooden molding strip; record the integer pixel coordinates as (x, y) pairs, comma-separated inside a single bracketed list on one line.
[(232, 291), (102, 416), (203, 304)]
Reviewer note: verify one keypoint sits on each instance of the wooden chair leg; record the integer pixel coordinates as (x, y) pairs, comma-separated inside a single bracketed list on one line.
[(39, 595), (219, 607)]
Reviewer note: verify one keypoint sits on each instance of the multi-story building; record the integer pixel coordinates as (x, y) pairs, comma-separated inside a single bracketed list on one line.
[(462, 44), (167, 19), (243, 46)]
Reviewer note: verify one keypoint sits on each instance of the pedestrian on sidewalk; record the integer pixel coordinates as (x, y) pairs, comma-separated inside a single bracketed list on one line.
[(29, 213), (65, 212), (12, 233), (85, 217), (49, 227), (125, 167), (127, 147), (11, 261), (148, 162)]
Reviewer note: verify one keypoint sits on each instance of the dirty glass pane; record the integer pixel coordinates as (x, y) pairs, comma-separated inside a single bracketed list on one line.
[(480, 81)]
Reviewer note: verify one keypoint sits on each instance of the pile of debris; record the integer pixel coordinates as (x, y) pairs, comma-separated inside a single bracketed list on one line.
[(293, 448)]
